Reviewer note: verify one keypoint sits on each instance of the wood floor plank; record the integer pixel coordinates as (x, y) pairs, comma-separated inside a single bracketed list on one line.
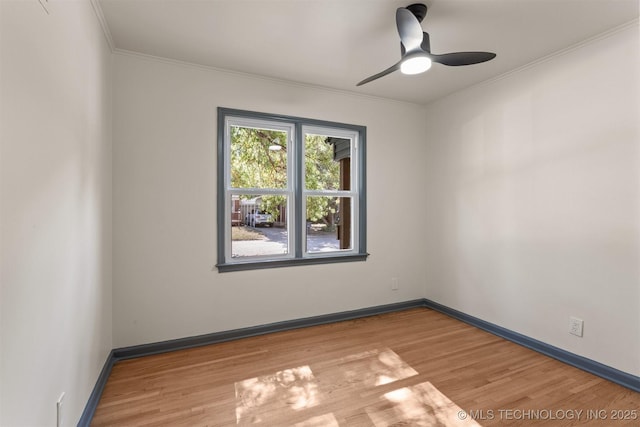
[(415, 367)]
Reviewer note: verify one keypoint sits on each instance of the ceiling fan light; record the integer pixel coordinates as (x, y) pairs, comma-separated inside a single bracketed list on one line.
[(415, 65)]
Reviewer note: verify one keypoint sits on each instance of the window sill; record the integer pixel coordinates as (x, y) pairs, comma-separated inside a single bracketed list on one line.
[(258, 265)]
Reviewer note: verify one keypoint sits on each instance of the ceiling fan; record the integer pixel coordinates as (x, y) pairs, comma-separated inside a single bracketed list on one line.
[(415, 47)]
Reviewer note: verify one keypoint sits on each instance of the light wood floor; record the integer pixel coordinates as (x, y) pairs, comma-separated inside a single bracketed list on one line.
[(411, 368)]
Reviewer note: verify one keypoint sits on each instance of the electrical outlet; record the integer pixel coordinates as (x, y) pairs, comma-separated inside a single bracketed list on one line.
[(59, 418), (394, 284), (575, 326)]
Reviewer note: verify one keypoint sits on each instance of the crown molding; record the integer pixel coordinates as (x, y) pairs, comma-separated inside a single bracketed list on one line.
[(274, 80), (103, 23), (557, 54)]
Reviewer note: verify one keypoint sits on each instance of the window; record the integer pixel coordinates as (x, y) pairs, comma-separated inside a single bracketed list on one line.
[(290, 191)]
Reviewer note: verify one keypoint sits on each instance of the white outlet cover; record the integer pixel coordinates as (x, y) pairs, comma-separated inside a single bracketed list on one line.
[(575, 326)]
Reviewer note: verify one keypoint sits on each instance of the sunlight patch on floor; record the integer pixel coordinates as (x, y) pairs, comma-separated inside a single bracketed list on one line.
[(326, 420), (418, 405), (371, 368), (287, 395), (257, 398)]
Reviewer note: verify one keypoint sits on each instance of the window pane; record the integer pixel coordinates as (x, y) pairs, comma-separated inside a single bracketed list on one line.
[(325, 159), (259, 226), (258, 158), (328, 223)]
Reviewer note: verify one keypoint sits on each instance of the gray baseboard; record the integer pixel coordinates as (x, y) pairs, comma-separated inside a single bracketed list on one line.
[(94, 397), (591, 366), (132, 352), (217, 337), (619, 377)]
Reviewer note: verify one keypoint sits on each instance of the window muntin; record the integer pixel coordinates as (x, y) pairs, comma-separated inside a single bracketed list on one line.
[(291, 191)]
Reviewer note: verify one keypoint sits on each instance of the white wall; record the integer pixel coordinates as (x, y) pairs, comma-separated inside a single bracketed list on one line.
[(55, 214), (165, 282), (534, 191), (529, 185)]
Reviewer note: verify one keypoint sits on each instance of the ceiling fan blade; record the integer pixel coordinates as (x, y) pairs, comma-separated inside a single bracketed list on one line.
[(389, 70), (462, 58), (424, 45), (409, 29)]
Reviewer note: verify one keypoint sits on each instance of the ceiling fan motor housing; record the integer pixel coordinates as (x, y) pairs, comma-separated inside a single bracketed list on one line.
[(419, 10)]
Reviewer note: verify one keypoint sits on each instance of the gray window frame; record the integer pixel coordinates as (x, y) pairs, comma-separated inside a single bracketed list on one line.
[(223, 238)]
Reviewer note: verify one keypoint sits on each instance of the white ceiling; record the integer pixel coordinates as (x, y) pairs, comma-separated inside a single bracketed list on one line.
[(337, 43)]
